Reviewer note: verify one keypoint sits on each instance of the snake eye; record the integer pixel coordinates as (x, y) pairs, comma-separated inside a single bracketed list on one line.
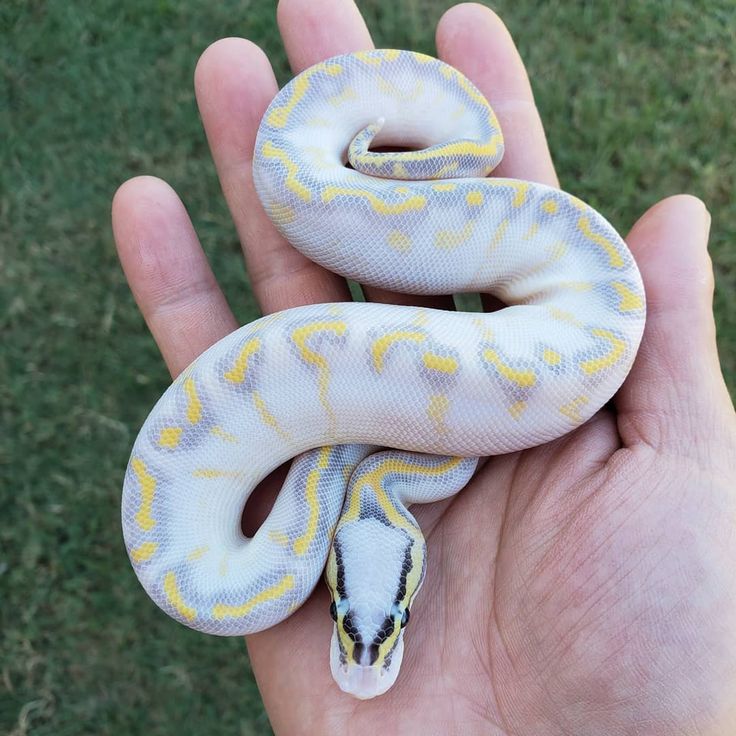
[(333, 611), (405, 618)]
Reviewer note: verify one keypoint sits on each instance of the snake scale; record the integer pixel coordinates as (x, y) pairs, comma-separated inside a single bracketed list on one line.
[(380, 406)]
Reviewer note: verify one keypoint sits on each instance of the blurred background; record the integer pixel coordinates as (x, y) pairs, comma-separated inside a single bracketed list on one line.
[(638, 100)]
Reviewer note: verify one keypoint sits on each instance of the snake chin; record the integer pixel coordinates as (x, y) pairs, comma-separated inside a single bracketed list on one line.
[(364, 681)]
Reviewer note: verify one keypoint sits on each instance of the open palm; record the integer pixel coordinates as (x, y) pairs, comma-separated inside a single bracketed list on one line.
[(583, 587)]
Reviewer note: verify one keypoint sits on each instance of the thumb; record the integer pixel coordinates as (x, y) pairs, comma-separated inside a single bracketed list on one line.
[(675, 393)]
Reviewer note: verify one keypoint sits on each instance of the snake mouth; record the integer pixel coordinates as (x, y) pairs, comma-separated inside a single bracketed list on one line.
[(360, 680)]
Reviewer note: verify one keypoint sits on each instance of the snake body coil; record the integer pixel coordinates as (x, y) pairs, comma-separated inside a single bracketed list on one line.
[(332, 384)]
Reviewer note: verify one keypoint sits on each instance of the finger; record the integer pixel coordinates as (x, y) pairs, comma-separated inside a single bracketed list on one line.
[(676, 381), (234, 84), (474, 40), (308, 40), (168, 272)]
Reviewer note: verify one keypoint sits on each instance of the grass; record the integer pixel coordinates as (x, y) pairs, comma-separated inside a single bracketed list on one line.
[(638, 102)]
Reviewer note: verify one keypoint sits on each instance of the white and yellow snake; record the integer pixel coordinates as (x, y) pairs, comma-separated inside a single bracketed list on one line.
[(332, 384)]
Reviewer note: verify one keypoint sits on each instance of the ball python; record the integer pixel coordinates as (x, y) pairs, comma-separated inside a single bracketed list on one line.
[(379, 406)]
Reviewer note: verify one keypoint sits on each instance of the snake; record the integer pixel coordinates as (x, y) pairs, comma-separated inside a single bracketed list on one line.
[(375, 165)]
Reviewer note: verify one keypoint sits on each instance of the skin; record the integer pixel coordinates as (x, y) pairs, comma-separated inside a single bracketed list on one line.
[(585, 586)]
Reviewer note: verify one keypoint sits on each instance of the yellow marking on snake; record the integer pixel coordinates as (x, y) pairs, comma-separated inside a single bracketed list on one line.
[(283, 214), (562, 315), (618, 347), (369, 57), (474, 198), (194, 405), (300, 336), (301, 543), (174, 597), (279, 538), (198, 553), (446, 170), (615, 259), (291, 181), (517, 408), (531, 232), (554, 253), (278, 117), (317, 122), (445, 187), (630, 300), (399, 171), (557, 250), (346, 95), (576, 285), (498, 234), (550, 206), (375, 480), (382, 344), (399, 240), (266, 417), (147, 484), (440, 363), (551, 357), (391, 90), (572, 409), (454, 238), (577, 203), (524, 379), (376, 58), (485, 331), (144, 552), (265, 322), (417, 202), (213, 473), (466, 86), (240, 367), (458, 148), (170, 437), (272, 593), (437, 409), (221, 434), (520, 189)]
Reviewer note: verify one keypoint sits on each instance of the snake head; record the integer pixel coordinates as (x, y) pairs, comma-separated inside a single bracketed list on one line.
[(373, 572), (368, 664)]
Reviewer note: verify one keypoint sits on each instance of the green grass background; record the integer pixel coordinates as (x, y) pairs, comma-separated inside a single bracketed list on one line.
[(638, 99)]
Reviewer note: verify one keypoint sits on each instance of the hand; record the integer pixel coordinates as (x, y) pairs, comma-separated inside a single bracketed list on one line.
[(582, 587)]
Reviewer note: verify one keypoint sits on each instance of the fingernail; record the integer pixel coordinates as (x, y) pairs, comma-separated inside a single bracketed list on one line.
[(704, 214)]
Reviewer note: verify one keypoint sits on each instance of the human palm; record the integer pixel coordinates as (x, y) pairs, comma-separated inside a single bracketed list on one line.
[(583, 587)]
